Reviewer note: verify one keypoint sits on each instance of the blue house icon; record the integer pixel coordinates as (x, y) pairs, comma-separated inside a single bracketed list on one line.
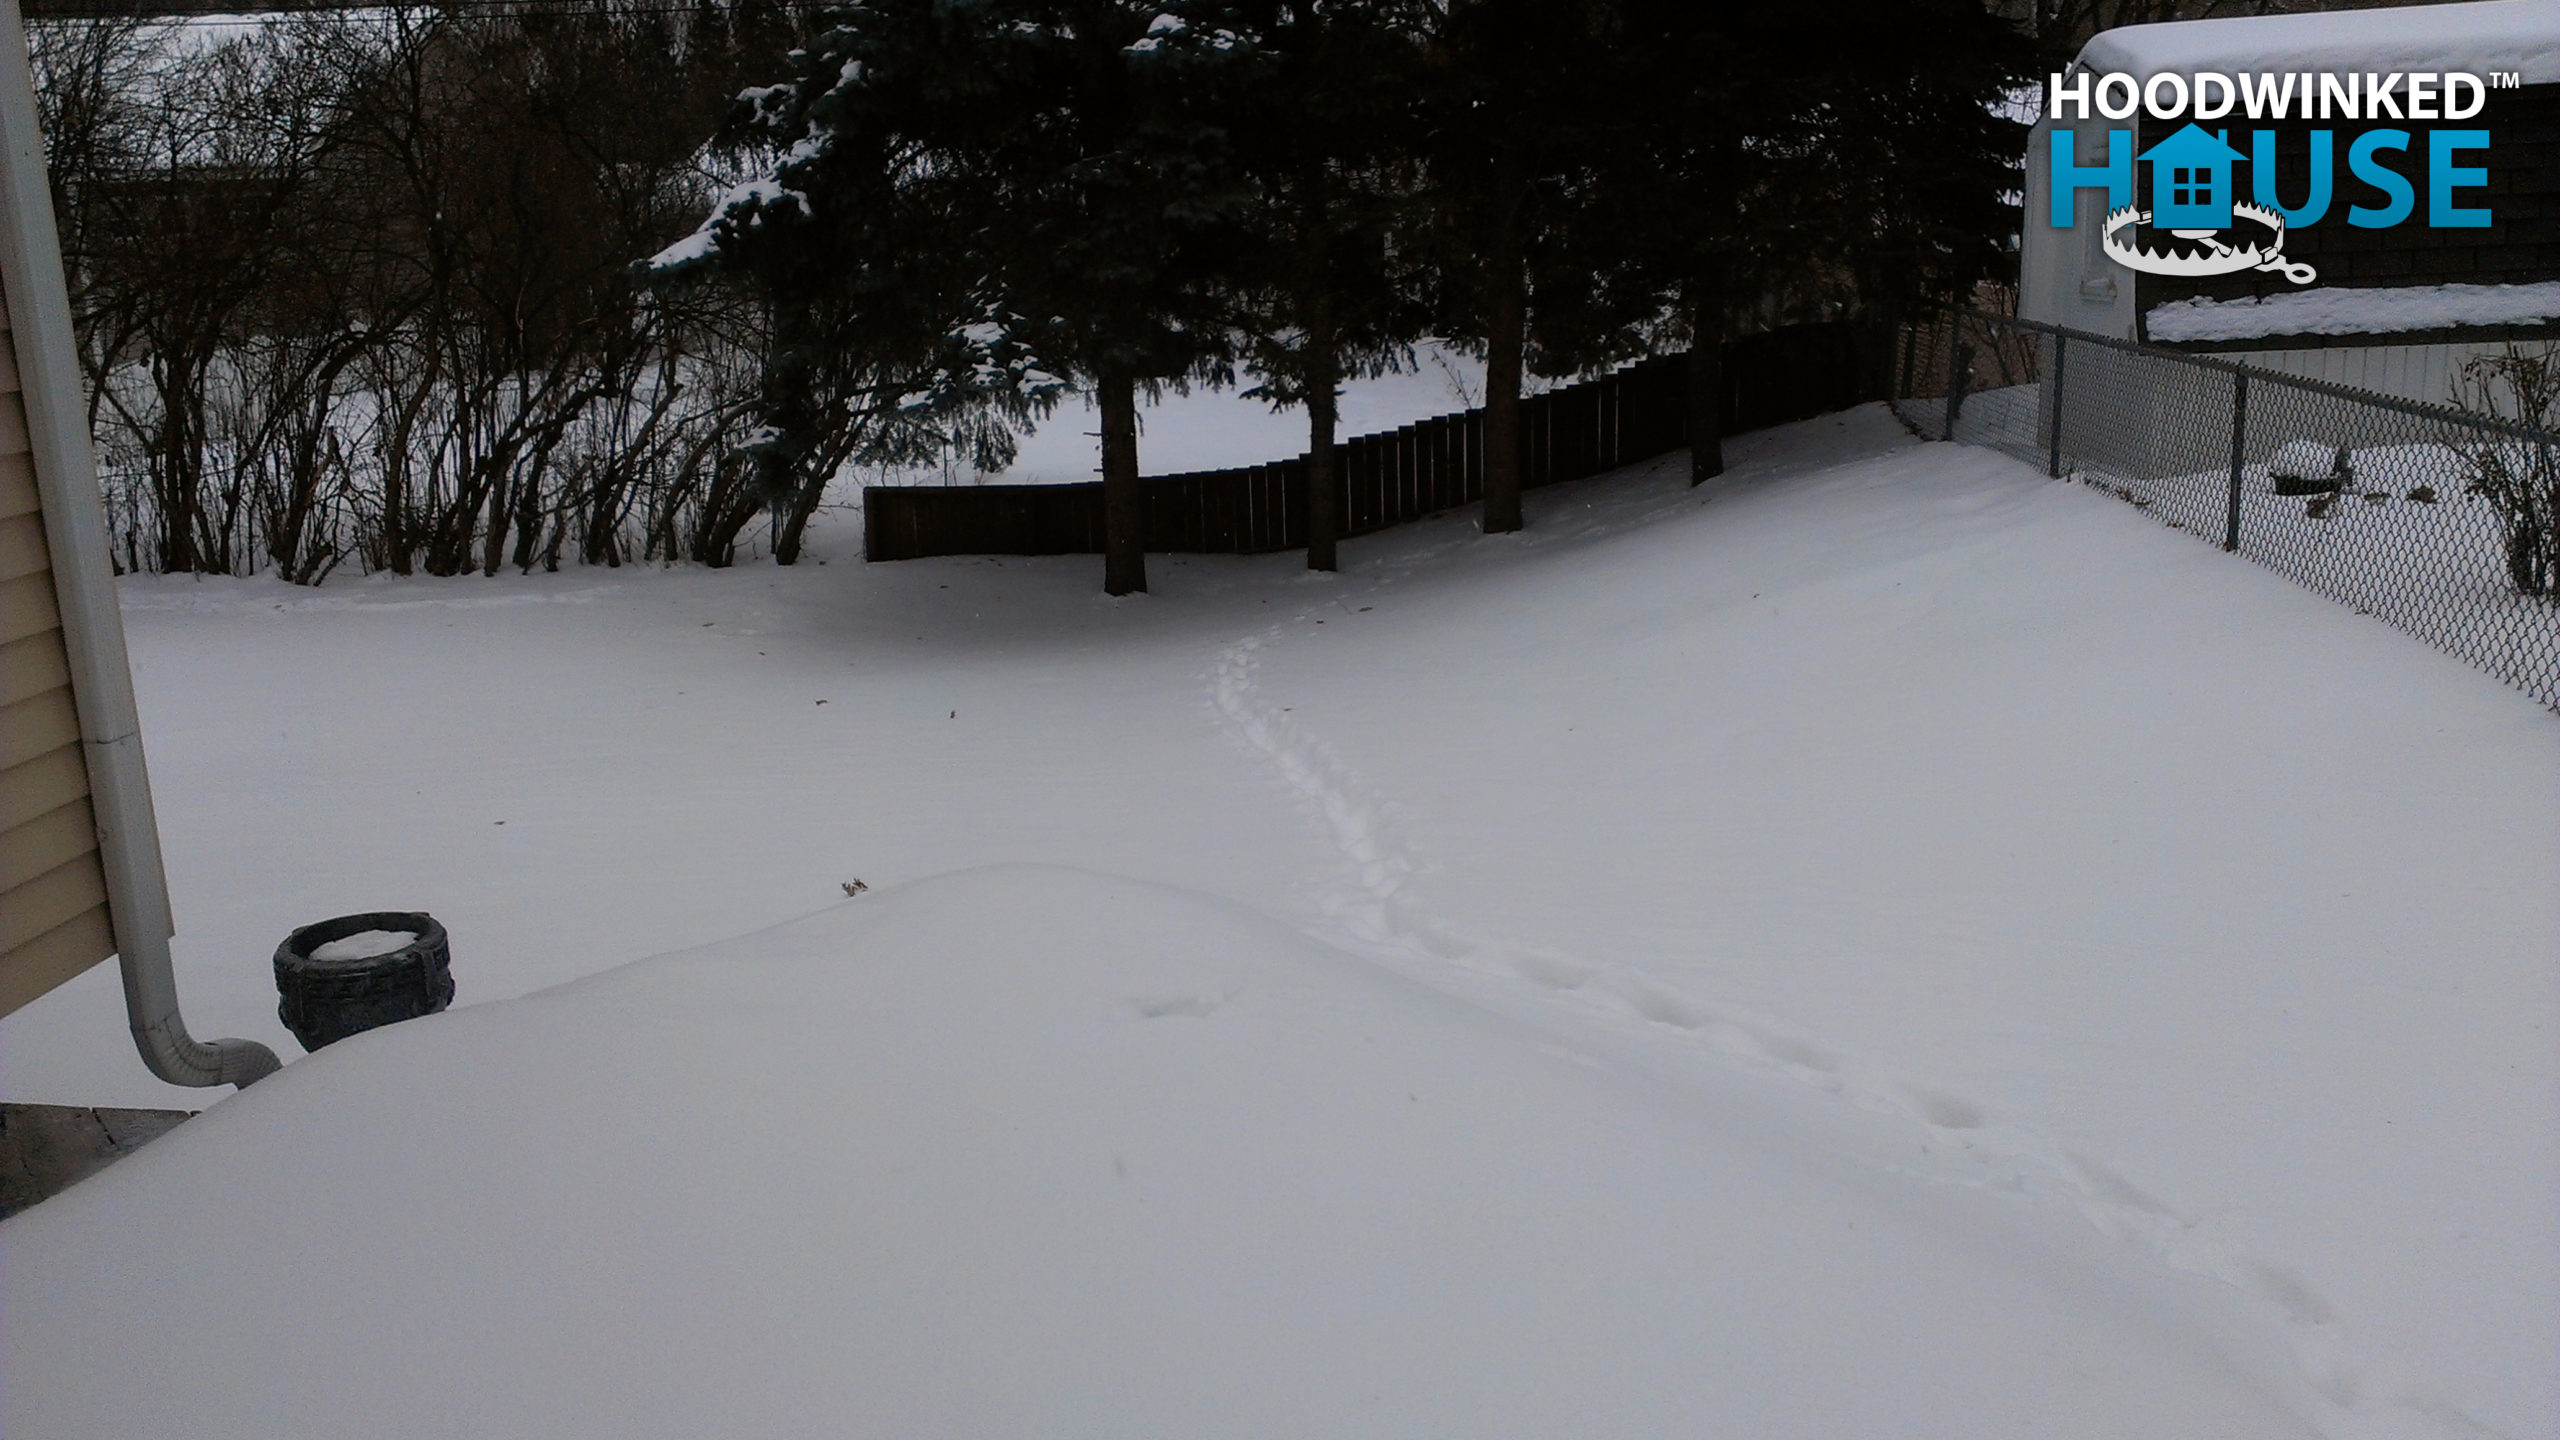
[(2191, 180)]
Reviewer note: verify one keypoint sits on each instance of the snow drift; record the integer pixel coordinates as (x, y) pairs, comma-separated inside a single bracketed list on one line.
[(1032, 1152)]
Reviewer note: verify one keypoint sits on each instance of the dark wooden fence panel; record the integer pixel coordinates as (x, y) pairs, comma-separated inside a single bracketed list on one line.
[(1400, 475)]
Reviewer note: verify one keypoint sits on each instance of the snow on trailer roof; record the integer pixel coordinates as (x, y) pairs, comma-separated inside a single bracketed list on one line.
[(2491, 35)]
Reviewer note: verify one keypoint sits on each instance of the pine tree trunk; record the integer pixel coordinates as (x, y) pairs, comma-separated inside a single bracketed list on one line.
[(1706, 376), (1324, 470), (1506, 333), (1124, 518), (1708, 296), (1324, 484)]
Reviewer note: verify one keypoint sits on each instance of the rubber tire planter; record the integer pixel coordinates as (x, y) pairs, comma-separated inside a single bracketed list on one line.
[(325, 1001)]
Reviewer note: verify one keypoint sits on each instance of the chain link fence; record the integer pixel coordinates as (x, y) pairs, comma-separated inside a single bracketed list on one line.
[(2443, 522)]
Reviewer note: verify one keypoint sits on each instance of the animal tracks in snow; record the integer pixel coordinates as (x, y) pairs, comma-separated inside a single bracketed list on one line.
[(1189, 1007), (1375, 906)]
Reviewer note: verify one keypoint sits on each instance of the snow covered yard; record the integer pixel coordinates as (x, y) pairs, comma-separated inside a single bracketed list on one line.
[(2152, 962)]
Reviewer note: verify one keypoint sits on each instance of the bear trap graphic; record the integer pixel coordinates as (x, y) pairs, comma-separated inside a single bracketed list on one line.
[(2217, 258)]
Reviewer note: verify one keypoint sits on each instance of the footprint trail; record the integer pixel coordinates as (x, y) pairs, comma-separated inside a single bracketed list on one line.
[(1374, 907)]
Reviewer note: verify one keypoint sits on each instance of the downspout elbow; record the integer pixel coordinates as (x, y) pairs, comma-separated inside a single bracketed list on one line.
[(160, 1033)]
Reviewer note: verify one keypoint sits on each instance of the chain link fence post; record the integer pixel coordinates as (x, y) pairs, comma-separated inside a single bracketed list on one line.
[(2239, 436), (2053, 453)]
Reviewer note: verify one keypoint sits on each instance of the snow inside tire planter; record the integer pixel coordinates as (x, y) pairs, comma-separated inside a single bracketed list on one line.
[(351, 974)]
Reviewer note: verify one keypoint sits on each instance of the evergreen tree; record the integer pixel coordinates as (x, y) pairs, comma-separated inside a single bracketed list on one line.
[(1721, 91), (1324, 129), (1517, 119), (1117, 209), (987, 201), (970, 206), (859, 248), (1774, 150), (1915, 183)]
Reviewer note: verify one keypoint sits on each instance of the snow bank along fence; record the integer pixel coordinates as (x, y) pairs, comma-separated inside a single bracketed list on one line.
[(2440, 521), (1387, 479)]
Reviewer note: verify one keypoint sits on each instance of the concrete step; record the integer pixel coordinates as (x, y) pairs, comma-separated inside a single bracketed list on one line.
[(46, 1149)]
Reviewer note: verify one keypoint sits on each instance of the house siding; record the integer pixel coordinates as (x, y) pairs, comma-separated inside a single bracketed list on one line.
[(53, 889)]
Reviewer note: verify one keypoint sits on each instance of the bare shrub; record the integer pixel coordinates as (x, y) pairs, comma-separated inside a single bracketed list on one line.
[(358, 287), (2520, 477)]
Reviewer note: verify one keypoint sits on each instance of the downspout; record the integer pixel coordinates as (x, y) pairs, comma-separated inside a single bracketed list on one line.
[(85, 594), (160, 1033)]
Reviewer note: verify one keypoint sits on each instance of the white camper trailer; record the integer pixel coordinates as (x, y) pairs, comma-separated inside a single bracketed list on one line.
[(2470, 265)]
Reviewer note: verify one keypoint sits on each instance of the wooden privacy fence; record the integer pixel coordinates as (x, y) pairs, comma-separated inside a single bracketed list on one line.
[(1392, 477)]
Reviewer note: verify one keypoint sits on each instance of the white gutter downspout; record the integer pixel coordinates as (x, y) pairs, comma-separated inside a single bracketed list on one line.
[(85, 593)]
